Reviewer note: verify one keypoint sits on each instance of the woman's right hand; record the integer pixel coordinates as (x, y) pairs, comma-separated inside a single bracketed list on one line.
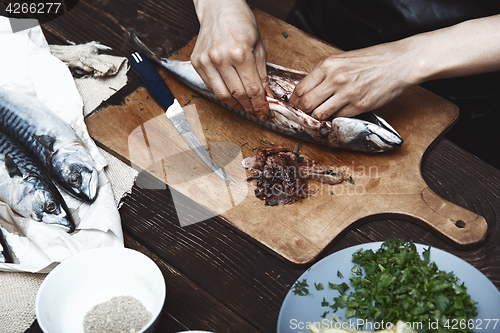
[(230, 57)]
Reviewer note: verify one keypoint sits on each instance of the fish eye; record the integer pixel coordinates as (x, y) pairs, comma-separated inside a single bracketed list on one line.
[(51, 207), (75, 179), (369, 146)]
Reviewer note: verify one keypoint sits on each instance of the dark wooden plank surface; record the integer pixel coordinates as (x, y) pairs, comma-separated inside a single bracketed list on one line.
[(218, 280)]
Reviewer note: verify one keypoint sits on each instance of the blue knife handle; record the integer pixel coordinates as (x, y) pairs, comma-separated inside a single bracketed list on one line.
[(152, 80)]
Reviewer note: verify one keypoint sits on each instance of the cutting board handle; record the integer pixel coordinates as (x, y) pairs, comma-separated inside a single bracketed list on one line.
[(464, 228)]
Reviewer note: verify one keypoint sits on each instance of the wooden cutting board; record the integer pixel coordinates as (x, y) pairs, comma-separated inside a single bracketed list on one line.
[(386, 185)]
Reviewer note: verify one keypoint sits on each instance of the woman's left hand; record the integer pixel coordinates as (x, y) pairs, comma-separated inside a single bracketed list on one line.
[(354, 82)]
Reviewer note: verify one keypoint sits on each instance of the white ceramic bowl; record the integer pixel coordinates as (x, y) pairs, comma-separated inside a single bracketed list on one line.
[(93, 277)]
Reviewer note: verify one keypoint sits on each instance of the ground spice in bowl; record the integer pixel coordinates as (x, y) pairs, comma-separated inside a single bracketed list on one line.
[(119, 314)]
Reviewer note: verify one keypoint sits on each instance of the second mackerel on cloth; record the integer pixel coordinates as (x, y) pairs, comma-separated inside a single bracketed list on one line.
[(341, 132), (51, 141), (27, 189)]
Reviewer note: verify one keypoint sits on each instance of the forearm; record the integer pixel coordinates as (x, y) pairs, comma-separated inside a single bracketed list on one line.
[(468, 48), (209, 9)]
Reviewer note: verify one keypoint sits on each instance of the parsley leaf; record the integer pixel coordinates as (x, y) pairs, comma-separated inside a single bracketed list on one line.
[(301, 288), (340, 287), (349, 180), (298, 158)]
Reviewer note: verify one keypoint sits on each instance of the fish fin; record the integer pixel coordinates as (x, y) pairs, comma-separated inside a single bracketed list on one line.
[(12, 167), (46, 141), (379, 121), (383, 123)]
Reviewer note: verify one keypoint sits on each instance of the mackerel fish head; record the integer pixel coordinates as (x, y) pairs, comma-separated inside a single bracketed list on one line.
[(365, 136), (75, 171), (44, 204)]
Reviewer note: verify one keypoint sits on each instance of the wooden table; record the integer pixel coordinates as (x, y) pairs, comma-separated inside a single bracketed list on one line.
[(218, 280)]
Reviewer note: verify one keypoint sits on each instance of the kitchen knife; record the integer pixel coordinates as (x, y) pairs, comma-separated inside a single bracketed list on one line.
[(163, 96)]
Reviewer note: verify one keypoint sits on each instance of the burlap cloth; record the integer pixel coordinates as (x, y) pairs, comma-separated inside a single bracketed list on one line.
[(103, 76)]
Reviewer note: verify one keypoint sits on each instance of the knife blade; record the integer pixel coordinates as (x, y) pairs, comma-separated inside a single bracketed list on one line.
[(159, 90)]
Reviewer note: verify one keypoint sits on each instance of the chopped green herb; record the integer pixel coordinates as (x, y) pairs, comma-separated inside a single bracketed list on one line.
[(340, 287), (271, 203), (298, 158), (399, 284), (340, 303), (284, 34), (350, 312), (324, 314), (176, 52), (349, 180), (301, 288), (325, 303), (357, 270), (331, 193), (319, 286), (339, 275)]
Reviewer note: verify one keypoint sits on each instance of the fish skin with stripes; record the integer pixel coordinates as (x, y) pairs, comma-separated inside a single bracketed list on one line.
[(51, 142), (28, 190)]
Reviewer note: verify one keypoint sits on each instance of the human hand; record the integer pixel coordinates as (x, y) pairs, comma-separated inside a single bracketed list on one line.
[(354, 82), (230, 57)]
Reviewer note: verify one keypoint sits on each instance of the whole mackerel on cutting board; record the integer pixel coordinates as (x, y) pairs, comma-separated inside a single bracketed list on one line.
[(346, 133)]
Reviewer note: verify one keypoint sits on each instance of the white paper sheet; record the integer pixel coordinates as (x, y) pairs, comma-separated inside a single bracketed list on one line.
[(26, 65)]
